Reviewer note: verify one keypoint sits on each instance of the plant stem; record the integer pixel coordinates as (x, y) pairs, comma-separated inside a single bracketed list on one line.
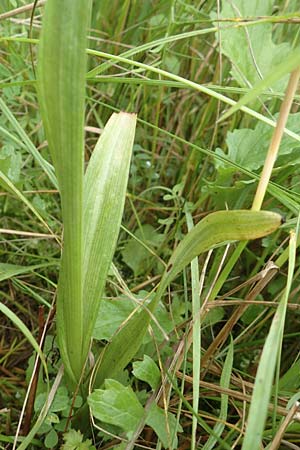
[(276, 140), (266, 173)]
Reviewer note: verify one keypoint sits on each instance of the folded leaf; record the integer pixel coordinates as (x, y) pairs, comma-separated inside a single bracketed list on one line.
[(216, 228)]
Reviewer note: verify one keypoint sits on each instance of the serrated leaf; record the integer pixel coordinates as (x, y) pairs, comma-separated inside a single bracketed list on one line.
[(147, 371), (286, 66), (248, 148), (74, 441), (116, 405), (251, 50)]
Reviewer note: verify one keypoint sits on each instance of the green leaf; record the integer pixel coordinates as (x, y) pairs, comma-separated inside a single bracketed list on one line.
[(286, 66), (105, 185), (214, 316), (164, 425), (290, 380), (61, 91), (135, 255), (251, 50), (172, 64), (147, 371), (248, 148), (264, 377), (60, 402), (116, 405), (111, 314), (74, 441), (225, 383), (51, 439), (216, 228)]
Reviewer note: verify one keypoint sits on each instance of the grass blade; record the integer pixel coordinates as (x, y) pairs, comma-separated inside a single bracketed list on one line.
[(11, 188), (8, 271), (225, 382), (23, 328), (28, 144), (265, 373), (196, 305)]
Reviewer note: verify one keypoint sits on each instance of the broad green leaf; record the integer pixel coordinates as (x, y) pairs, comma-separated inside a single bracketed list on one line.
[(286, 66), (251, 50), (61, 92), (60, 402), (265, 373), (147, 371), (216, 228), (105, 185), (248, 148), (116, 405), (113, 312), (164, 425), (51, 439), (214, 316)]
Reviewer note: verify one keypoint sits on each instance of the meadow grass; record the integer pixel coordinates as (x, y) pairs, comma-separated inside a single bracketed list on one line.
[(204, 356)]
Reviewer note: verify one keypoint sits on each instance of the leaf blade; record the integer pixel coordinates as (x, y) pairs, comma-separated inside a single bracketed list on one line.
[(61, 92), (216, 228), (104, 197)]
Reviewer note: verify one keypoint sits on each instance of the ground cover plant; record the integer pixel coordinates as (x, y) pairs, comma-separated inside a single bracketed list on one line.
[(149, 283)]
